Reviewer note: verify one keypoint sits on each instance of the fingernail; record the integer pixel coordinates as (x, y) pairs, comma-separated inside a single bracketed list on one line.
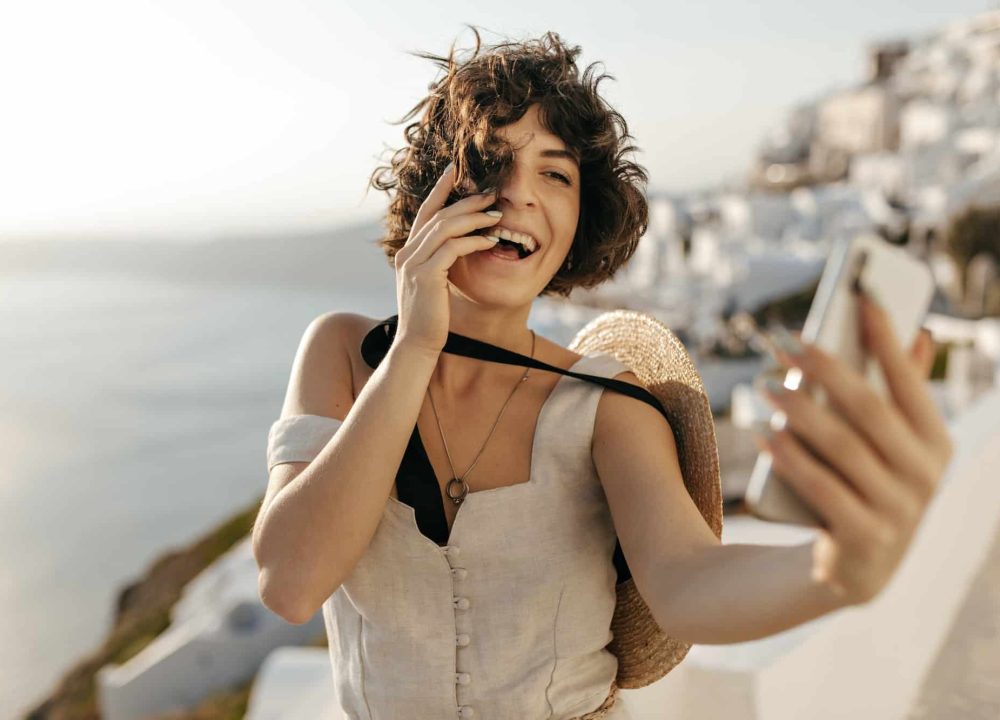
[(451, 166), (488, 191), (495, 213), (787, 342)]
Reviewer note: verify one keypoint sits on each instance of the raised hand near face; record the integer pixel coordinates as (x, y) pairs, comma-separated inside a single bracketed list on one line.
[(438, 237)]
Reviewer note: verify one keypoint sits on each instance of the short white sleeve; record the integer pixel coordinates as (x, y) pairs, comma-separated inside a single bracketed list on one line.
[(299, 438)]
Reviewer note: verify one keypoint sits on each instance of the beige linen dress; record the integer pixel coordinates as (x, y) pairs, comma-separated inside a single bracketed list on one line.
[(511, 619)]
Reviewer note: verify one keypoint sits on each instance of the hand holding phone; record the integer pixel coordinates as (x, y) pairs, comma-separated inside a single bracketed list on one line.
[(904, 286), (866, 446)]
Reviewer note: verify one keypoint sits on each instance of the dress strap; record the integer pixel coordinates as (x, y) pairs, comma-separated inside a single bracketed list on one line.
[(377, 341)]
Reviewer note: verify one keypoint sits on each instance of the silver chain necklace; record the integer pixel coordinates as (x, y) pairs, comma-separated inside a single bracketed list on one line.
[(458, 481)]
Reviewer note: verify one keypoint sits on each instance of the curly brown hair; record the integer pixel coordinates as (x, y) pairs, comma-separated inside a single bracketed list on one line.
[(489, 90)]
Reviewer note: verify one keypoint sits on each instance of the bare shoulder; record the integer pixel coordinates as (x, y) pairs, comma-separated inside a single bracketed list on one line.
[(322, 377), (354, 327), (615, 410), (618, 412)]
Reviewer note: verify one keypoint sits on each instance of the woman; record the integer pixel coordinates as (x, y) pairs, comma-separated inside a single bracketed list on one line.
[(454, 519)]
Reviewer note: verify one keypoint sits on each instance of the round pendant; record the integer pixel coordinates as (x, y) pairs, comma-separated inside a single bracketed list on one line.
[(463, 490)]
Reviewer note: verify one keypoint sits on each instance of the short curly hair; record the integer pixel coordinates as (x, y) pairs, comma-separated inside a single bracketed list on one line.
[(489, 90)]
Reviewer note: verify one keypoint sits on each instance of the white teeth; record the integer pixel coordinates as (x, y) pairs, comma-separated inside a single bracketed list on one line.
[(526, 241)]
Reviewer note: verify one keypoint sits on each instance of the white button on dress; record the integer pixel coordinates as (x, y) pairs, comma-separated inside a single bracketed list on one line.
[(511, 619)]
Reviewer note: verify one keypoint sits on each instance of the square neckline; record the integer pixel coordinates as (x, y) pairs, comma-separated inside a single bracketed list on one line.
[(427, 468)]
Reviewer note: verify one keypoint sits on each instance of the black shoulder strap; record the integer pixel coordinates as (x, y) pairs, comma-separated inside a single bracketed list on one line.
[(376, 344)]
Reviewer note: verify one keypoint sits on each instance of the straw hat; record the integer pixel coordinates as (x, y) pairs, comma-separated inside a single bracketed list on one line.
[(661, 363)]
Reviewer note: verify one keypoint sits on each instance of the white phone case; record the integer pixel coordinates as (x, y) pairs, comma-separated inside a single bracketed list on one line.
[(904, 285)]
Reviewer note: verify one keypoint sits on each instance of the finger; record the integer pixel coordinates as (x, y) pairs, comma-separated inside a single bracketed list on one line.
[(472, 203), (442, 230), (922, 353), (435, 199), (449, 252), (818, 486), (871, 416), (835, 443), (463, 207), (904, 379)]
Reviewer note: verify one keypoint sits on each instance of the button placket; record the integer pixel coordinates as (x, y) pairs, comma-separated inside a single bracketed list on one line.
[(462, 639)]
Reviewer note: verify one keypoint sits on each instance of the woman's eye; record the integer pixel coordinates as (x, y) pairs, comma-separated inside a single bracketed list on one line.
[(559, 175)]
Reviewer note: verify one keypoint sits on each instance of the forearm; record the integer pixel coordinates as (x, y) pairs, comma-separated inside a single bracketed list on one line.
[(739, 592), (315, 530)]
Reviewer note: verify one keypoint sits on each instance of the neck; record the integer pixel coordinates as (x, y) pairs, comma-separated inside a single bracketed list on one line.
[(506, 327)]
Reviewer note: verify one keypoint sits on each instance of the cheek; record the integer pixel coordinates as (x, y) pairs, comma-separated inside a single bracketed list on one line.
[(567, 213)]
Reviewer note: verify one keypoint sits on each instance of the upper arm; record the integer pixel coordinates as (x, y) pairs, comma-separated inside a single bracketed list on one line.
[(321, 379), (636, 458), (320, 384)]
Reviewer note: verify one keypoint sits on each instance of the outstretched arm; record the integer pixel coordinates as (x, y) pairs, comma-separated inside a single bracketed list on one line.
[(870, 470), (739, 592), (697, 589)]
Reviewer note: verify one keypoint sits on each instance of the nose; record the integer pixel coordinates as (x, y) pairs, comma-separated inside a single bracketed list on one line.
[(518, 191)]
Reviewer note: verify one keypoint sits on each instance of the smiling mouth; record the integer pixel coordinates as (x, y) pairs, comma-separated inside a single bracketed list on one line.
[(521, 242), (522, 252)]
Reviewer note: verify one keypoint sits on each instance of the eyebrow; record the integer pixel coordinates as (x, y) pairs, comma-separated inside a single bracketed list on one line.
[(565, 154)]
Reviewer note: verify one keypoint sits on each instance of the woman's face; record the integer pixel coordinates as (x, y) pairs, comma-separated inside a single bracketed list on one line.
[(542, 199)]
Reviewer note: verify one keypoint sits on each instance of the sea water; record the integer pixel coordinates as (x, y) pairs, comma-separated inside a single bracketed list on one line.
[(134, 414)]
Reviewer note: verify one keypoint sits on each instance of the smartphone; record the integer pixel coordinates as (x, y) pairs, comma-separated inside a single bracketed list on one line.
[(904, 285)]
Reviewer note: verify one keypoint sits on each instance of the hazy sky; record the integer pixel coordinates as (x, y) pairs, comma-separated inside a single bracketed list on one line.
[(184, 118)]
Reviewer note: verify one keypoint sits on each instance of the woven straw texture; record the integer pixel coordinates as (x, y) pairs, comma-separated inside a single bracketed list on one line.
[(662, 364)]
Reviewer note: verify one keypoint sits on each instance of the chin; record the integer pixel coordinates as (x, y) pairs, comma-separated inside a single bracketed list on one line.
[(486, 290)]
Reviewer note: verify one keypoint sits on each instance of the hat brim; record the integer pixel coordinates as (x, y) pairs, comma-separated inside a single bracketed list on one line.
[(662, 365)]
